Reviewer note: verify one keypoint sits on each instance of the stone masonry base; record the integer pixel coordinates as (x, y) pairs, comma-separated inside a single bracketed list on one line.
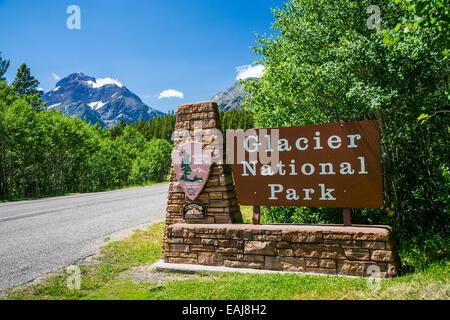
[(322, 249)]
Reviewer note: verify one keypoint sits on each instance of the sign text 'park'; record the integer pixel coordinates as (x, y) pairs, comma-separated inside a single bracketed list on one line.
[(327, 165)]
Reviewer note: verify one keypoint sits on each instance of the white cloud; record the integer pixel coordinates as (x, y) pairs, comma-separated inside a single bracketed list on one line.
[(170, 93), (56, 77), (40, 89), (249, 71)]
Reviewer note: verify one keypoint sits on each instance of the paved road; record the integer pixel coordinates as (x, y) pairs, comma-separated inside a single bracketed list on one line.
[(39, 236)]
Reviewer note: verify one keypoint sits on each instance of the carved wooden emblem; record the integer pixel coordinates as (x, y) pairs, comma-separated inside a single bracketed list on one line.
[(192, 165), (194, 210)]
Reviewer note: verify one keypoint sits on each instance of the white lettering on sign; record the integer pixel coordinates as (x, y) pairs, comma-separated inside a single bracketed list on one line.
[(252, 168), (314, 165), (291, 193), (252, 143), (306, 169), (255, 145), (352, 138)]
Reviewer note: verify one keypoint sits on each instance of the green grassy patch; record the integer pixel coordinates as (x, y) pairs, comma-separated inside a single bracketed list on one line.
[(247, 213), (123, 289), (143, 247), (429, 284)]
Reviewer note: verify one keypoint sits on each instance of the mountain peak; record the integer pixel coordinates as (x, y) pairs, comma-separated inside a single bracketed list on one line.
[(88, 81), (233, 97), (103, 100)]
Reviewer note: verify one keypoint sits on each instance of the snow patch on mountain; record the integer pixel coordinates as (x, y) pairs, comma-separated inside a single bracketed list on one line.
[(103, 82), (53, 105), (96, 105)]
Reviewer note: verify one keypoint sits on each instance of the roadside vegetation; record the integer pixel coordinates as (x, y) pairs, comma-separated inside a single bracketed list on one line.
[(326, 61), (122, 271), (162, 127), (45, 153)]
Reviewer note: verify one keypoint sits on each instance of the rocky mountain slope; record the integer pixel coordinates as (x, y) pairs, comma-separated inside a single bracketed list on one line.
[(232, 98), (106, 101)]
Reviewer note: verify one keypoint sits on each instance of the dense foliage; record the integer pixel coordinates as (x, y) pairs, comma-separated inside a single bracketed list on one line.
[(156, 128), (324, 64), (236, 119), (430, 15), (45, 153), (163, 127)]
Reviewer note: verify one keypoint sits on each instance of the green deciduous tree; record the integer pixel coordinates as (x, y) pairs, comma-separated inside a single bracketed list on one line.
[(45, 153), (430, 16), (323, 65), (154, 164)]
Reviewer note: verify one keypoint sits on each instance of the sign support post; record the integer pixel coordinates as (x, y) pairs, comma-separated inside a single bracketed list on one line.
[(256, 214), (347, 218)]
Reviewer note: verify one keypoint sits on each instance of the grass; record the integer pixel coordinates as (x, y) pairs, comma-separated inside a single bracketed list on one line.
[(102, 281), (142, 247), (429, 284), (247, 213)]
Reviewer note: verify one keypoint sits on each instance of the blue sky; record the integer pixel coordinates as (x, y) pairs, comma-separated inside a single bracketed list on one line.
[(193, 47)]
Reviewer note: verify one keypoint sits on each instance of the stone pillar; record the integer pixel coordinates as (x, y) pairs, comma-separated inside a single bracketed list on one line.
[(218, 195)]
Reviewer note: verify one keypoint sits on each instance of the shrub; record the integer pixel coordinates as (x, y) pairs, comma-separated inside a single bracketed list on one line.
[(323, 65)]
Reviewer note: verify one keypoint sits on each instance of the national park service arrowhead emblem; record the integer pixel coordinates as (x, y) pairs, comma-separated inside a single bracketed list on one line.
[(192, 165)]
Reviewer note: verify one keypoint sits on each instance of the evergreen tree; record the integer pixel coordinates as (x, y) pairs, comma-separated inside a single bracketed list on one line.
[(26, 85), (186, 166), (4, 65), (117, 130)]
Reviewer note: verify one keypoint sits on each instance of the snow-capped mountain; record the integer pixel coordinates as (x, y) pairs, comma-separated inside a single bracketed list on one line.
[(106, 101)]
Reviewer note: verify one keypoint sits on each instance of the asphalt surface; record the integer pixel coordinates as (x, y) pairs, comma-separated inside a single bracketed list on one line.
[(39, 236)]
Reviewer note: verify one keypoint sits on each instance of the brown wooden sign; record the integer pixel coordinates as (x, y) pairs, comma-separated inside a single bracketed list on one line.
[(328, 165)]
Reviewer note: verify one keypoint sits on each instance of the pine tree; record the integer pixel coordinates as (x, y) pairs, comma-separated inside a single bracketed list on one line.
[(4, 65), (118, 130), (26, 85), (186, 166)]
